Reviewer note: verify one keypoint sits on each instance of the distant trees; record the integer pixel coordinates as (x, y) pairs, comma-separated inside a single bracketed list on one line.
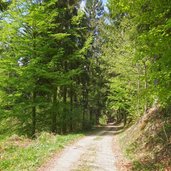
[(97, 82)]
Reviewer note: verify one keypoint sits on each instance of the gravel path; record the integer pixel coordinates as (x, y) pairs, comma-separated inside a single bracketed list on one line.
[(92, 153)]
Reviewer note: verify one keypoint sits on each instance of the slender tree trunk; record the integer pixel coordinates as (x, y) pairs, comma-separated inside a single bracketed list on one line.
[(34, 92), (84, 104), (91, 116), (145, 84), (138, 91), (83, 119), (71, 109), (34, 114), (97, 116), (64, 110), (54, 111)]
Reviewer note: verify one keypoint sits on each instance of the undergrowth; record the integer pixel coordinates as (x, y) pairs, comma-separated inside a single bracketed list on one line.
[(20, 153)]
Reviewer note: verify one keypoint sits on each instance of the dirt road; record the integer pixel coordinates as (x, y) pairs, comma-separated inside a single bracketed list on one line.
[(92, 153)]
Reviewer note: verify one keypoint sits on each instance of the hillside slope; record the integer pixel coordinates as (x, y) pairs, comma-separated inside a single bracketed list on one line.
[(148, 142)]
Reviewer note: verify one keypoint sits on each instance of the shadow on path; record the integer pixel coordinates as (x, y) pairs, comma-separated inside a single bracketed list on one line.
[(110, 129)]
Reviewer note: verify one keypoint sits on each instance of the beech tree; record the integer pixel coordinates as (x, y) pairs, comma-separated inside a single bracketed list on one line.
[(137, 41)]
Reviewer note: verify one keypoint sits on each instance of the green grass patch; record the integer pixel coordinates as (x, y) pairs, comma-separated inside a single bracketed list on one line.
[(19, 153)]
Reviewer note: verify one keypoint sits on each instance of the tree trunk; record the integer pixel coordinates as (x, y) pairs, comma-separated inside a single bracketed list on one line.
[(54, 111), (138, 91), (64, 110), (71, 109), (97, 116), (145, 85), (33, 114), (91, 116)]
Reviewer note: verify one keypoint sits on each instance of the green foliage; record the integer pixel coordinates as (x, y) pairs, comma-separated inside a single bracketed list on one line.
[(137, 52), (45, 66), (103, 120)]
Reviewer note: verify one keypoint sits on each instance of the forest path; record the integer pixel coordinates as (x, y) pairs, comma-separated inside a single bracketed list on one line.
[(92, 153)]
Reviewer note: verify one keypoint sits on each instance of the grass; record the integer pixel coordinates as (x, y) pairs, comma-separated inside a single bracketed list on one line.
[(21, 154)]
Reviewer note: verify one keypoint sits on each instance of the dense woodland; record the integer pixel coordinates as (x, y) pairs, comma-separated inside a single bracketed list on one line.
[(69, 65), (65, 64), (51, 79)]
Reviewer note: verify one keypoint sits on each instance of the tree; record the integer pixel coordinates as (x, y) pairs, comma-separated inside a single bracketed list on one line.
[(44, 49), (137, 45), (94, 82)]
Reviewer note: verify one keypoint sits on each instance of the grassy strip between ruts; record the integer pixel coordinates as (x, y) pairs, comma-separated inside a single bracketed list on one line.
[(22, 154)]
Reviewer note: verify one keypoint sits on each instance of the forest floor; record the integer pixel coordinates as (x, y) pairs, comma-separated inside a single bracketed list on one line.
[(98, 151)]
